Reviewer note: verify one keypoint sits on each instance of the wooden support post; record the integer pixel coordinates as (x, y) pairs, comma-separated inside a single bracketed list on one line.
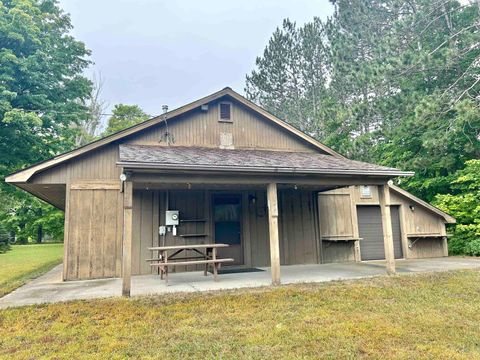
[(445, 246), (354, 217), (356, 249), (273, 232), (384, 199), (66, 245), (127, 238), (443, 232)]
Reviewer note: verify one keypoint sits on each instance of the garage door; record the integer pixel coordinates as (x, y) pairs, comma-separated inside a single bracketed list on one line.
[(371, 231)]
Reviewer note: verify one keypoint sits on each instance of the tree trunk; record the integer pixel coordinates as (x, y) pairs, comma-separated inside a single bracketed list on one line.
[(21, 237), (39, 234)]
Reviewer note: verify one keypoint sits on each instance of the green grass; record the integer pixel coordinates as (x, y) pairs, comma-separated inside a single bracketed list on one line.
[(25, 262), (429, 316)]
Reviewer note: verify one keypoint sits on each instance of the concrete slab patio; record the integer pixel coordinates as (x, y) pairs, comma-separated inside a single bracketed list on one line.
[(49, 288)]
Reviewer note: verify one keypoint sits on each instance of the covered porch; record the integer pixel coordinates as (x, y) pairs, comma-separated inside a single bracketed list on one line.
[(261, 203), (278, 224)]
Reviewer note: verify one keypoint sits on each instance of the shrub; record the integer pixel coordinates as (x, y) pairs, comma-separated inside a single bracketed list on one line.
[(464, 205), (465, 240), (4, 239)]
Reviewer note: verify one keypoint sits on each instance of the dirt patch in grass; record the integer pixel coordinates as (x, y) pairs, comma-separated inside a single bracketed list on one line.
[(420, 316), (25, 262)]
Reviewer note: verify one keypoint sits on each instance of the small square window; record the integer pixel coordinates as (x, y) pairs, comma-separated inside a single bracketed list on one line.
[(365, 191), (225, 111)]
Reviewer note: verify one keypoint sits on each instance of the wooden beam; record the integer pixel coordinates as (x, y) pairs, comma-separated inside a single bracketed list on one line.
[(127, 238), (95, 185), (384, 199), (272, 200), (182, 179)]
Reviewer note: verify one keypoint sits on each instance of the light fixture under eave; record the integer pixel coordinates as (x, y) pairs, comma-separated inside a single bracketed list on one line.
[(123, 177)]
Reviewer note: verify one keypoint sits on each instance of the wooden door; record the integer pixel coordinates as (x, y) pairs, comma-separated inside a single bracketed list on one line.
[(93, 230), (227, 225)]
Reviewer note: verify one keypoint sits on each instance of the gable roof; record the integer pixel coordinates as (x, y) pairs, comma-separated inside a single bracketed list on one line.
[(234, 160), (448, 219), (25, 174)]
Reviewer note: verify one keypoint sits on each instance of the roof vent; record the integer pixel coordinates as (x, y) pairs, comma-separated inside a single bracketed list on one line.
[(225, 111)]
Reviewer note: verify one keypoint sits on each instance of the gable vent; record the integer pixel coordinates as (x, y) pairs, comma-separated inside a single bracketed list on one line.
[(225, 111)]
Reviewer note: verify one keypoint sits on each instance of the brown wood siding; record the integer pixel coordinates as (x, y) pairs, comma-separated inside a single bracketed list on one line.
[(335, 220), (100, 164), (94, 233), (202, 128), (298, 239), (338, 251), (420, 221), (336, 214), (149, 213), (258, 223), (146, 207), (425, 248)]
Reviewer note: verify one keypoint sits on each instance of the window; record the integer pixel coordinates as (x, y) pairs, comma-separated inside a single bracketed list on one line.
[(225, 111), (365, 191)]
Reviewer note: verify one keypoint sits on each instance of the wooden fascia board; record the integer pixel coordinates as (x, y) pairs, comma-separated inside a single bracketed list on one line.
[(448, 218)]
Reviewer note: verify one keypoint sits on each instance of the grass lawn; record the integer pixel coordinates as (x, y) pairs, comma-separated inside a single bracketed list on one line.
[(408, 317), (24, 262)]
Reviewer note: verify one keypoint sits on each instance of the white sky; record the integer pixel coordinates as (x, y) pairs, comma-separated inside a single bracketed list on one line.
[(152, 52)]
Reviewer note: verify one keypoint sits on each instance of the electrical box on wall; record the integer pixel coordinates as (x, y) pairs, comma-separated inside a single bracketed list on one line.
[(172, 217)]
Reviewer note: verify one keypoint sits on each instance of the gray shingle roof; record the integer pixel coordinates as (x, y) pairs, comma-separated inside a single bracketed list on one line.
[(175, 157)]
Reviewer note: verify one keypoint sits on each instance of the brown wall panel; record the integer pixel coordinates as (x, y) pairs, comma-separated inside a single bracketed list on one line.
[(199, 128), (93, 234)]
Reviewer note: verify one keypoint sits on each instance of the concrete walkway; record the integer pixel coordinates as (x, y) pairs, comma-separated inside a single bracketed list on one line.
[(49, 288)]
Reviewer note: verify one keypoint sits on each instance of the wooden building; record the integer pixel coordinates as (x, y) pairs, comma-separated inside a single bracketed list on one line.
[(237, 175)]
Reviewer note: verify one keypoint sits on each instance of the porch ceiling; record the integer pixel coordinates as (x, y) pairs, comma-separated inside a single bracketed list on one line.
[(53, 194)]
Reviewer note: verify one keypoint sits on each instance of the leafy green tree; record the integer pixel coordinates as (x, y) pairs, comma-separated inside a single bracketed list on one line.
[(4, 239), (400, 85), (464, 205), (432, 123), (124, 116), (42, 92), (291, 75)]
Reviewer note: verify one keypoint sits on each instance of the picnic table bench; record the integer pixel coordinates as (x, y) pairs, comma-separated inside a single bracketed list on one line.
[(207, 257)]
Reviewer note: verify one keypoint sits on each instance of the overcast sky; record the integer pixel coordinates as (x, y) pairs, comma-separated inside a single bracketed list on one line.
[(152, 52)]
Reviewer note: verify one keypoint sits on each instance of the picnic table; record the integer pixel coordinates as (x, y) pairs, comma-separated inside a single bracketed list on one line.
[(175, 255)]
